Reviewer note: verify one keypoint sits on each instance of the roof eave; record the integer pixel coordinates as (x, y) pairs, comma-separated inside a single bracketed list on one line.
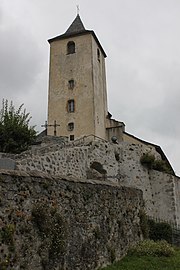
[(80, 33)]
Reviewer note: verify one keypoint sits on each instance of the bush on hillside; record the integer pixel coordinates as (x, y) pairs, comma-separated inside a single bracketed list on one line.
[(151, 248), (160, 231), (154, 230)]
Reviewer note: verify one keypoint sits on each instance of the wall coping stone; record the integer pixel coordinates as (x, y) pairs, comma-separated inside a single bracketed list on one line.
[(46, 176)]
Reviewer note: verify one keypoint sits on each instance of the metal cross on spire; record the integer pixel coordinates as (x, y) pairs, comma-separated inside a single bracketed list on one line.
[(78, 9)]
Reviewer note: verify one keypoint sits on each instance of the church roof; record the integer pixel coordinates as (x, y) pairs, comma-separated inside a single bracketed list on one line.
[(77, 29), (76, 26)]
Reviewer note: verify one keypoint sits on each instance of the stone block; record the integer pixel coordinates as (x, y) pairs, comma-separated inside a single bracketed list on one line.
[(7, 164)]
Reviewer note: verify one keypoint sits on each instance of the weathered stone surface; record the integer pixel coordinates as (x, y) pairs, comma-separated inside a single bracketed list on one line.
[(118, 163), (51, 223), (7, 164)]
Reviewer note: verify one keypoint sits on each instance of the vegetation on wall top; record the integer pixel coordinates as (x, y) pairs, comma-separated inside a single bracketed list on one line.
[(149, 161), (15, 133)]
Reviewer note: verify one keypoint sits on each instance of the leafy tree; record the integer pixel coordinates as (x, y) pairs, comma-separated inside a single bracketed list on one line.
[(15, 133)]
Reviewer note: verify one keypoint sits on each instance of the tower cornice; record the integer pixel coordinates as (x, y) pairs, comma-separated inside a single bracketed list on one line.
[(77, 29), (85, 32)]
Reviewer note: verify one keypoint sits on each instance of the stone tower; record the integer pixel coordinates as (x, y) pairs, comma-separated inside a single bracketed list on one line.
[(77, 83)]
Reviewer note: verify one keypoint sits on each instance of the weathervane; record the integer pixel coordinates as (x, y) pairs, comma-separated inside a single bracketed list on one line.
[(78, 9)]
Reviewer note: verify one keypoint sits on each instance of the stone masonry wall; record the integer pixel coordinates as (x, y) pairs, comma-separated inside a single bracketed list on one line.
[(116, 163), (120, 161), (177, 197), (164, 198), (52, 223)]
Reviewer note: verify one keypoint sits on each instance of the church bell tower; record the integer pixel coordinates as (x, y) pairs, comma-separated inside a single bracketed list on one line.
[(77, 98)]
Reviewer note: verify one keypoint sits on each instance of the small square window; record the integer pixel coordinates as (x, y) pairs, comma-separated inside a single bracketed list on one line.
[(71, 84), (71, 137), (71, 126)]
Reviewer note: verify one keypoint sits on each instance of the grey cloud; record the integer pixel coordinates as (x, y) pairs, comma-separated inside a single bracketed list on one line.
[(20, 61), (141, 39)]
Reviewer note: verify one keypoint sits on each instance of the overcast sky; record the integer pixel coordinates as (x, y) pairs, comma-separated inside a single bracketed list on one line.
[(141, 39)]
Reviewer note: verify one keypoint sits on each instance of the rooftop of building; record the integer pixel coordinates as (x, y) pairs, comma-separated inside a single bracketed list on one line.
[(77, 29)]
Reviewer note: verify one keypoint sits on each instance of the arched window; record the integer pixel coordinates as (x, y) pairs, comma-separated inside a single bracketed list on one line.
[(70, 47), (71, 126), (71, 106)]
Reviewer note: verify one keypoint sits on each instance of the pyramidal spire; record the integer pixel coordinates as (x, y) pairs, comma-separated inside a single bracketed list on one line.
[(76, 26), (77, 29)]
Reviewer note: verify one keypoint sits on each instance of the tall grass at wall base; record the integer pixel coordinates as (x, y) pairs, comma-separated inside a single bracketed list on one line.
[(160, 231), (137, 260), (152, 248), (147, 263), (154, 230)]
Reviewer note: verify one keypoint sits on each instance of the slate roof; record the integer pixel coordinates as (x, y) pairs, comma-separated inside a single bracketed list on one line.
[(76, 26), (77, 29)]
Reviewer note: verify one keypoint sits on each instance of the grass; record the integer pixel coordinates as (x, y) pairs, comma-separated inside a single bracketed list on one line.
[(147, 262)]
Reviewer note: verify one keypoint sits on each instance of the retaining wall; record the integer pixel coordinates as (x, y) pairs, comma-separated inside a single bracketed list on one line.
[(116, 163), (53, 223)]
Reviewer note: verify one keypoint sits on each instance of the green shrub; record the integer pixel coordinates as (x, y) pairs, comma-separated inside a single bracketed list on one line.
[(53, 232), (162, 166), (151, 248), (15, 133), (7, 234), (154, 230), (160, 231), (40, 217), (147, 160)]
